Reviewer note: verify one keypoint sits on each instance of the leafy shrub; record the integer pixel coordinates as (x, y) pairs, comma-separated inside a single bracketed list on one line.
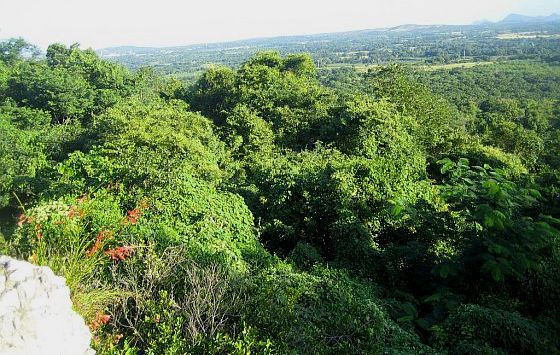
[(513, 241), (324, 311), (305, 255), (472, 326), (22, 157), (321, 197), (170, 304), (75, 238)]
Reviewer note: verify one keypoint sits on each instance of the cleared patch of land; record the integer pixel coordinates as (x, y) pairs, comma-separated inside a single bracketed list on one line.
[(527, 35), (453, 65), (362, 68)]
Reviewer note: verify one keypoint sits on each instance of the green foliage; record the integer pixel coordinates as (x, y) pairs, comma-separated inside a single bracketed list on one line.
[(282, 91), (71, 84), (163, 327), (247, 133), (433, 118), (503, 125), (321, 197), (509, 164), (217, 225), (25, 118), (474, 327), (324, 311), (22, 157), (15, 50), (305, 256), (138, 142), (63, 94), (509, 105), (100, 74), (4, 74), (301, 65), (211, 93), (513, 239), (247, 342), (259, 211)]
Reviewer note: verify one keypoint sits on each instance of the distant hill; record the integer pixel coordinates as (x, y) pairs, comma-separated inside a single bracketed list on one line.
[(409, 43), (512, 19), (517, 18)]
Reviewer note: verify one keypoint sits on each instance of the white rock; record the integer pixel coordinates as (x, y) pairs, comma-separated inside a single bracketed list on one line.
[(36, 315)]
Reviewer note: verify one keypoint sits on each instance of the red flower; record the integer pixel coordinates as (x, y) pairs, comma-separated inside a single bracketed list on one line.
[(119, 253), (132, 216), (75, 211), (100, 237), (21, 220), (38, 232), (105, 318), (100, 319)]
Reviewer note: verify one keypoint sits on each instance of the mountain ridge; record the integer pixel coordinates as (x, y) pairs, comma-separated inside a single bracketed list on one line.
[(518, 18)]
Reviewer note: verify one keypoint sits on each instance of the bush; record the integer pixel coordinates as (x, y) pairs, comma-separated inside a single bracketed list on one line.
[(473, 327), (170, 304), (323, 311), (76, 238), (22, 158)]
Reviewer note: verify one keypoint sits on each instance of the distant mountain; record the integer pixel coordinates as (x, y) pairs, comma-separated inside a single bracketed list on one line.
[(517, 18)]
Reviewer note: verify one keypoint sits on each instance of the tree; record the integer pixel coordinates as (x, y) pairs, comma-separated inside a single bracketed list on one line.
[(61, 92), (15, 50)]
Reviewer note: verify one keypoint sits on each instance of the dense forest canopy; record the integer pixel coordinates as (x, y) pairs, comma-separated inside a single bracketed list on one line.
[(275, 207)]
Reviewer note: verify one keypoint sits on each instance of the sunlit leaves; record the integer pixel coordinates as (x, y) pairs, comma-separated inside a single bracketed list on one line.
[(512, 240)]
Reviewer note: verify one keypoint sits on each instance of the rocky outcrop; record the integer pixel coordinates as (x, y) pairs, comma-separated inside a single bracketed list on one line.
[(36, 315)]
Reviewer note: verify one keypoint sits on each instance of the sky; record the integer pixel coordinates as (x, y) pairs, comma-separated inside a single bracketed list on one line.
[(107, 23)]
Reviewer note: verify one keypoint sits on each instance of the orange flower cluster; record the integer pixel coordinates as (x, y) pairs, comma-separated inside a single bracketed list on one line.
[(133, 215), (39, 232), (120, 253), (100, 319), (74, 211), (22, 219), (102, 235)]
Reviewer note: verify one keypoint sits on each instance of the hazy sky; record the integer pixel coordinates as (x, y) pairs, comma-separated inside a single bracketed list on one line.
[(105, 23)]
